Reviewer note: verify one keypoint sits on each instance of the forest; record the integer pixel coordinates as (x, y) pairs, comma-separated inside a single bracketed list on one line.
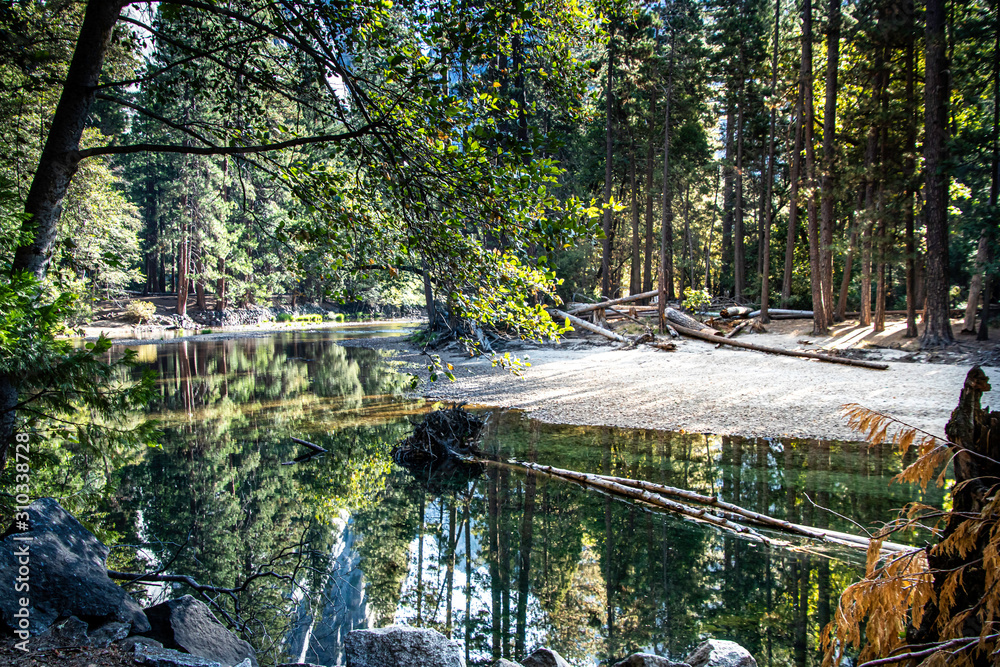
[(835, 157), (491, 163)]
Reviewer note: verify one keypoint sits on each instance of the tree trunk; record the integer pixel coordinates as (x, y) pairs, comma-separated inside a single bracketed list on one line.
[(608, 155), (200, 284), (910, 172), (666, 282), (220, 287), (728, 204), (937, 325), (820, 325), (429, 299), (183, 259), (829, 156), (635, 275), (765, 284), (845, 279), (59, 160), (793, 204), (647, 262), (739, 250)]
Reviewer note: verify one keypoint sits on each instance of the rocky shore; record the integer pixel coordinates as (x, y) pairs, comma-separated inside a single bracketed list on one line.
[(57, 601)]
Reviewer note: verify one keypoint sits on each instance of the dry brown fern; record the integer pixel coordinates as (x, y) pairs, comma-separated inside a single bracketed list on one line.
[(876, 614)]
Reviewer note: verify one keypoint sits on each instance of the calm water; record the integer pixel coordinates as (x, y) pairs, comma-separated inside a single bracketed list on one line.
[(504, 561)]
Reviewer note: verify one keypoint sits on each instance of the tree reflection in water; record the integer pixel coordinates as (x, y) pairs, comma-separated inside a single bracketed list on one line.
[(505, 562)]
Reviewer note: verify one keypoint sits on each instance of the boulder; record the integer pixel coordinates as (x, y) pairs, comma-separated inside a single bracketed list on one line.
[(67, 574), (108, 633), (129, 643), (544, 657), (719, 653), (188, 625), (504, 662), (649, 660), (402, 646), (62, 634), (165, 657)]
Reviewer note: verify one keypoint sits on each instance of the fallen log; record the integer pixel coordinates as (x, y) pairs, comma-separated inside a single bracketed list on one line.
[(656, 500), (308, 456), (612, 302), (680, 320), (736, 311), (782, 313), (646, 489), (587, 326), (738, 328), (692, 333)]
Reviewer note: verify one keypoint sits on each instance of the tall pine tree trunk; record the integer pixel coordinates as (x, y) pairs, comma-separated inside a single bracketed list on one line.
[(910, 173), (647, 260), (793, 204), (608, 155), (820, 325), (765, 284), (829, 156), (937, 327), (666, 283), (739, 250), (728, 203), (635, 277)]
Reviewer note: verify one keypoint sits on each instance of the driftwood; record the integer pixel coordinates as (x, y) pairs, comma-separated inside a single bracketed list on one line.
[(587, 326), (653, 494), (308, 456), (612, 302), (443, 436), (777, 350)]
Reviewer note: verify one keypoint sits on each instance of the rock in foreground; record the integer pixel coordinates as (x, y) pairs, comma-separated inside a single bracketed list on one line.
[(649, 660), (188, 625), (402, 646), (68, 574), (544, 657), (719, 653)]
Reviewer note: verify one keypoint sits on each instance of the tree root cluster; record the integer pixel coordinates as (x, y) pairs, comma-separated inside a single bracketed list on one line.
[(443, 435)]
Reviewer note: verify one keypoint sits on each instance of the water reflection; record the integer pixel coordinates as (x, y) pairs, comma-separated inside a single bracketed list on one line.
[(505, 562)]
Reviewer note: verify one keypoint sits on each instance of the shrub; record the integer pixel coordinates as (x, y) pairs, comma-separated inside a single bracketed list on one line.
[(206, 331), (283, 317), (696, 299), (140, 311), (314, 317)]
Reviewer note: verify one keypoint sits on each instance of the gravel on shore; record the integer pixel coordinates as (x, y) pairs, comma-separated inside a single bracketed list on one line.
[(699, 388)]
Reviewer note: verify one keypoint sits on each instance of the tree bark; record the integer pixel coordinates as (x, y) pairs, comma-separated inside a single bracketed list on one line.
[(820, 325), (845, 279), (183, 259), (829, 157), (793, 204), (647, 262), (937, 326), (59, 160), (739, 249), (666, 282), (728, 204), (910, 172), (635, 275), (608, 155), (765, 284)]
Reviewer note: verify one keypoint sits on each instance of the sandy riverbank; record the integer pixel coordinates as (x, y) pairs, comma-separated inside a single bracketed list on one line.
[(703, 389)]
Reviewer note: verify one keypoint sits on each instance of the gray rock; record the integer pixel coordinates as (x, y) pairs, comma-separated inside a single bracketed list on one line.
[(165, 657), (504, 662), (129, 643), (719, 653), (108, 633), (62, 634), (649, 660), (401, 646), (68, 574), (544, 657), (188, 625), (299, 664)]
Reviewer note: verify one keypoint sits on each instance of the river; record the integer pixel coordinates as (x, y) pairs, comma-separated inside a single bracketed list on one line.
[(503, 561)]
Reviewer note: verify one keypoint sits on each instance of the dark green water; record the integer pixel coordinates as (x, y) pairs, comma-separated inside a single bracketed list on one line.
[(504, 561)]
